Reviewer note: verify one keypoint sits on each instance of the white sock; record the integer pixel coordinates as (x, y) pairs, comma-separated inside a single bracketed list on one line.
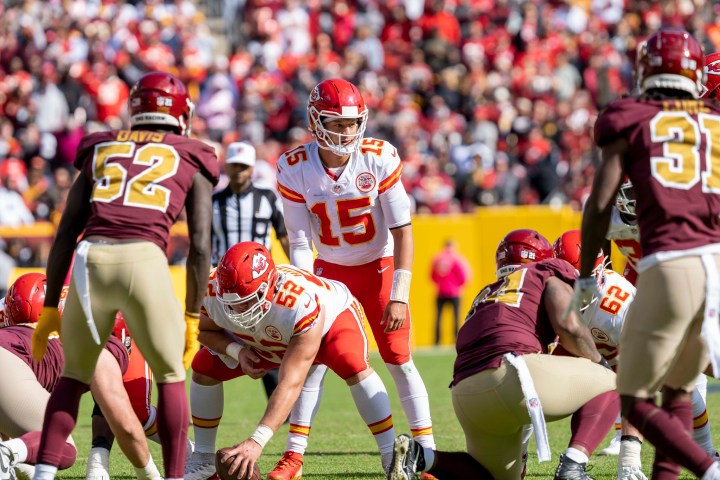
[(429, 455), (373, 404), (630, 453), (576, 455), (18, 448), (304, 410), (150, 427), (712, 473), (45, 472), (701, 424), (206, 405), (414, 400), (148, 472)]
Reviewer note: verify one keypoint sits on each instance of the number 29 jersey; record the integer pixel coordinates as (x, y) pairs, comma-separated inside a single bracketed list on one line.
[(295, 309), (353, 209)]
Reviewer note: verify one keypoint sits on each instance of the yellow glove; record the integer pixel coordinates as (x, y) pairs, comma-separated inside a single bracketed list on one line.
[(48, 324), (192, 329)]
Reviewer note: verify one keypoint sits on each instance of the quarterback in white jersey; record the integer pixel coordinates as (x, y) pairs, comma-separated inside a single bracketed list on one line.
[(255, 317), (343, 194)]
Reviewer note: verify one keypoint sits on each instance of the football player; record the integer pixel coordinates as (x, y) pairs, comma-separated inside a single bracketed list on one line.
[(257, 316), (662, 139), (624, 231), (503, 374), (342, 194), (132, 186), (22, 409)]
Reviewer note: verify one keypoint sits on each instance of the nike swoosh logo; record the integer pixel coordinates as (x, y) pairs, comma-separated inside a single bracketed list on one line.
[(381, 270), (307, 304)]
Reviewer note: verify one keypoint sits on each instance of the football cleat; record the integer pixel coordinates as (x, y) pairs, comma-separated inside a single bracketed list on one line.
[(408, 459), (613, 448), (631, 472), (289, 467), (200, 466), (98, 464), (7, 463), (427, 476), (571, 470)]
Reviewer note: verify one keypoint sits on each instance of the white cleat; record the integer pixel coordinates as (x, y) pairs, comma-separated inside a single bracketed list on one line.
[(631, 472), (7, 463), (98, 465), (200, 466), (613, 448)]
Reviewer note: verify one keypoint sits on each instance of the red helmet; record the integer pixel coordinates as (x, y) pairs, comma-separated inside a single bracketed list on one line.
[(625, 200), (567, 247), (246, 279), (336, 98), (24, 301), (712, 76), (159, 98), (518, 247), (670, 59)]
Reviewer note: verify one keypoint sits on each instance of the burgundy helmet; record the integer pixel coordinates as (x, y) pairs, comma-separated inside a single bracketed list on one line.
[(159, 98), (671, 59), (518, 247)]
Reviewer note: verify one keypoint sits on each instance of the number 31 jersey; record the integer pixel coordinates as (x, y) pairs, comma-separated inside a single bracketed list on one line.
[(353, 209)]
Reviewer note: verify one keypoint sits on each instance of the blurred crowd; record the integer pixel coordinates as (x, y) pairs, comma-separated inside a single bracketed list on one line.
[(489, 102)]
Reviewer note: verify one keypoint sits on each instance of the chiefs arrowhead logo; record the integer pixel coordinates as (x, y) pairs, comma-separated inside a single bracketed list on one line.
[(259, 265), (713, 68)]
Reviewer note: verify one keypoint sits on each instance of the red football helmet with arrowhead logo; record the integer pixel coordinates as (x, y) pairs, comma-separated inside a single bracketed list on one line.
[(712, 76), (671, 58), (159, 98), (25, 298), (246, 278), (336, 98), (518, 247)]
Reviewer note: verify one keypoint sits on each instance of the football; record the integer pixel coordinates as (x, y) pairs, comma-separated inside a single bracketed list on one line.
[(222, 468)]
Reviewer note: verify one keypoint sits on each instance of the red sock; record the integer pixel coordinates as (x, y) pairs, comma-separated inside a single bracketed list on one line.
[(594, 420), (173, 417)]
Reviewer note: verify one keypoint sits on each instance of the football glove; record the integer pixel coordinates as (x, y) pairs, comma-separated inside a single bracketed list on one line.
[(48, 324), (192, 329), (586, 288)]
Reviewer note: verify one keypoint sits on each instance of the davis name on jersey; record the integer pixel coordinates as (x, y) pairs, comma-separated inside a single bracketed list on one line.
[(295, 309), (347, 210), (606, 316)]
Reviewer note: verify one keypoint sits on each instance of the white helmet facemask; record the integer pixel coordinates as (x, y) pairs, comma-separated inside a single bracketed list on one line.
[(347, 143)]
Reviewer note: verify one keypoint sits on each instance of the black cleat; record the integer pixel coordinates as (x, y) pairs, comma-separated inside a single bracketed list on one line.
[(407, 460), (571, 470)]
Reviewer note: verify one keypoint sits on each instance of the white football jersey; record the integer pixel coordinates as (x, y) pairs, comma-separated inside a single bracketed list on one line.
[(606, 316), (295, 309), (626, 238), (349, 215)]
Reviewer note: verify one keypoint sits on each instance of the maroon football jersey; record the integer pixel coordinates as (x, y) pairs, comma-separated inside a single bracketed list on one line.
[(140, 180), (17, 339), (509, 316), (673, 161)]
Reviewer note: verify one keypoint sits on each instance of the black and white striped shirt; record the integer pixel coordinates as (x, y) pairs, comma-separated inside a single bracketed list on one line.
[(245, 217)]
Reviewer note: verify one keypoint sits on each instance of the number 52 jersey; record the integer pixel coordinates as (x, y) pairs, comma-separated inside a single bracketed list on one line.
[(353, 209)]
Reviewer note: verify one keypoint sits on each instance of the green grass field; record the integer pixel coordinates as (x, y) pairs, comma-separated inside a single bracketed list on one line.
[(341, 445)]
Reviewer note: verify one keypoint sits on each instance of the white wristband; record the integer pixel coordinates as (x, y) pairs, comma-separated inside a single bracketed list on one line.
[(401, 286), (233, 350), (262, 435)]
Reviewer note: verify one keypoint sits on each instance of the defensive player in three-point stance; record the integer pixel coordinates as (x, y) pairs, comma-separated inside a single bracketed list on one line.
[(342, 193)]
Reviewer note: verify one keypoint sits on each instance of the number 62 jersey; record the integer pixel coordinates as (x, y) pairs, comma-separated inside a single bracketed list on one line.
[(355, 208), (605, 317)]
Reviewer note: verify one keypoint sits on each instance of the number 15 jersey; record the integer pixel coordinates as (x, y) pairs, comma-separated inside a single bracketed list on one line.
[(351, 210)]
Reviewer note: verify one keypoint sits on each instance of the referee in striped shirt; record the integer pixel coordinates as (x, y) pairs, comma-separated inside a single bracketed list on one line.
[(243, 212)]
